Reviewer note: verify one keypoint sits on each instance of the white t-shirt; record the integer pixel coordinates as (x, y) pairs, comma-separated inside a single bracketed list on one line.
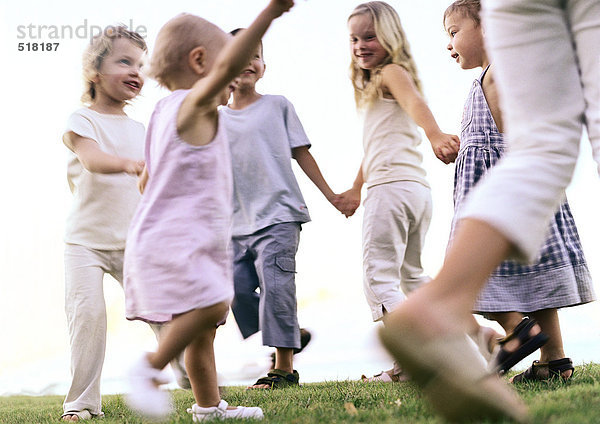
[(390, 141), (261, 137), (103, 204)]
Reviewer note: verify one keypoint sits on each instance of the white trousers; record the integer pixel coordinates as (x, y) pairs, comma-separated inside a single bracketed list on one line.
[(86, 318), (546, 55), (395, 221)]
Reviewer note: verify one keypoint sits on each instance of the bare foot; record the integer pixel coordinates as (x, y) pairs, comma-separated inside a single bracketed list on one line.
[(258, 386), (70, 417)]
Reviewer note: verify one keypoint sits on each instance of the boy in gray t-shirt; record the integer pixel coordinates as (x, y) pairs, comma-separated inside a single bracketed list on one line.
[(264, 135)]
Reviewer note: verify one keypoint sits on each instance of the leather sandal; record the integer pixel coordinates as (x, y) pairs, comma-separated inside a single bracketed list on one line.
[(505, 360), (544, 371), (278, 379)]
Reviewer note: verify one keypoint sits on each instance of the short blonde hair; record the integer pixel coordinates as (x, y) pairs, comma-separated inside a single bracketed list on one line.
[(175, 40), (389, 32), (100, 47), (468, 8)]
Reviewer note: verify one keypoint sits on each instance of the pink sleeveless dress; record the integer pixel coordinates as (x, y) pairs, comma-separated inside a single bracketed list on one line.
[(178, 254)]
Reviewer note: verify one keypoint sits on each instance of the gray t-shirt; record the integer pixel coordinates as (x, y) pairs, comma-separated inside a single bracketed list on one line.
[(261, 137)]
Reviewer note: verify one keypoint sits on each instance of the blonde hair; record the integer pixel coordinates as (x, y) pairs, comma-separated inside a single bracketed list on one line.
[(100, 47), (468, 8), (176, 39), (389, 32)]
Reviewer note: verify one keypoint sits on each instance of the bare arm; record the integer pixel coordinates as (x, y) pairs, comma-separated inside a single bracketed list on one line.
[(309, 165), (398, 82), (143, 180), (95, 160)]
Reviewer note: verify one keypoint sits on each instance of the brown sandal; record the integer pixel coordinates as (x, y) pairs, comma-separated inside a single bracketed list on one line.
[(544, 371)]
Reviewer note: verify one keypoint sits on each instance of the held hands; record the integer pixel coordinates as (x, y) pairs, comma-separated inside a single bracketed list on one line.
[(133, 167), (347, 202), (445, 146)]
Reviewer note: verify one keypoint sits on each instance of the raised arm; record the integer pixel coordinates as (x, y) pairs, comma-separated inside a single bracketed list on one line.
[(236, 55), (95, 160), (397, 81)]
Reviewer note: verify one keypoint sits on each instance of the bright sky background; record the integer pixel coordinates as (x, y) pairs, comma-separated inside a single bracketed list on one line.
[(307, 58)]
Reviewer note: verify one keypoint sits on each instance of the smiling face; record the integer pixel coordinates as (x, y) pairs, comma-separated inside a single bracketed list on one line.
[(252, 72), (365, 48), (466, 44), (119, 78)]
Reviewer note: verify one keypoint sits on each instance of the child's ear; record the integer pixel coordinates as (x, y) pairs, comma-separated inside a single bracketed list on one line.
[(197, 60)]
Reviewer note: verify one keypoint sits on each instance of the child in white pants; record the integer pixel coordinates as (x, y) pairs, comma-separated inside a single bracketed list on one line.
[(398, 203), (106, 151)]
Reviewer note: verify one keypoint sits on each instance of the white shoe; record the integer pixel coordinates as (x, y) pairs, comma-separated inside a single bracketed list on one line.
[(220, 412), (144, 396)]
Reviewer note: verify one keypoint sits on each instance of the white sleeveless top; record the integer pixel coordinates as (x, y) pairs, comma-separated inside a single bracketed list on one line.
[(390, 140)]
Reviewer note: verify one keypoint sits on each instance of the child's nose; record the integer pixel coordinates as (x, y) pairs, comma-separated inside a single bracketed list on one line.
[(449, 46)]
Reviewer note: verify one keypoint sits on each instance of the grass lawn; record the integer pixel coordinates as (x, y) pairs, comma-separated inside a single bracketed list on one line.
[(340, 402)]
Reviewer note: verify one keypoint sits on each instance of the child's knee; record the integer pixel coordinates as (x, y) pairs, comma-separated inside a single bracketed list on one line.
[(217, 314)]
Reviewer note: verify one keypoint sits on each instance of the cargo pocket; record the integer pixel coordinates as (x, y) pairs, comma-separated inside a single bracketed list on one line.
[(284, 296)]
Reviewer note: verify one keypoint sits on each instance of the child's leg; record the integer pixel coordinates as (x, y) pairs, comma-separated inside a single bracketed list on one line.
[(183, 330), (507, 320), (426, 334), (177, 363), (245, 305), (276, 266), (552, 360), (444, 305), (276, 248), (385, 234), (200, 362), (284, 359), (144, 377), (548, 320), (418, 203), (86, 318)]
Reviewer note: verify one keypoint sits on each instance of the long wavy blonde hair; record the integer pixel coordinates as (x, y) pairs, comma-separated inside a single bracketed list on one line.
[(100, 47), (389, 32)]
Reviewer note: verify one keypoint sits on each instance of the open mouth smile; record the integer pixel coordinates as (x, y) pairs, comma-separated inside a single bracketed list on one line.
[(133, 84)]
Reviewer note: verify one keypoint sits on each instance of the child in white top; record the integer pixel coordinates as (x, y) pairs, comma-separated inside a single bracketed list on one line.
[(106, 150), (178, 265), (398, 203)]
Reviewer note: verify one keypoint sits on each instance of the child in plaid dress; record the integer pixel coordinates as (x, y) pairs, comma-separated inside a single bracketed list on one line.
[(559, 276)]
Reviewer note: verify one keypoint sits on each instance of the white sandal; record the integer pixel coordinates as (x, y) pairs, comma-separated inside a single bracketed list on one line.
[(382, 377), (220, 412), (84, 414), (144, 396)]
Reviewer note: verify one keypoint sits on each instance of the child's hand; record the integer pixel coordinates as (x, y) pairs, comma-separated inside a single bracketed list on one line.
[(347, 202), (279, 7), (142, 180), (133, 167), (445, 146)]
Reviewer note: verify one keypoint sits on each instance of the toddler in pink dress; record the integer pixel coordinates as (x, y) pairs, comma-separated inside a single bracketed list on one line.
[(178, 267)]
